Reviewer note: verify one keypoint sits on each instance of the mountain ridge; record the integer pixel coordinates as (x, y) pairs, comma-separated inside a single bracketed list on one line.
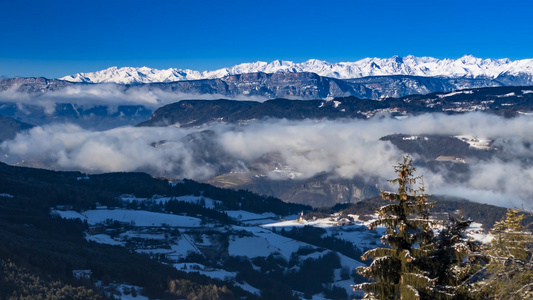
[(504, 101), (303, 85), (467, 66)]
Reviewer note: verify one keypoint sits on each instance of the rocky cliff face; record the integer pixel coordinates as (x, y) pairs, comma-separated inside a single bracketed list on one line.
[(266, 86), (32, 85), (321, 190), (312, 86), (378, 87), (318, 191)]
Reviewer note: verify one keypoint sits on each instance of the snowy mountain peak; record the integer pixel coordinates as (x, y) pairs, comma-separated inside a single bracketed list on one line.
[(467, 66)]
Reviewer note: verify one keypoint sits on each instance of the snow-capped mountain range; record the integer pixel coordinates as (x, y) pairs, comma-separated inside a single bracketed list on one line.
[(464, 67)]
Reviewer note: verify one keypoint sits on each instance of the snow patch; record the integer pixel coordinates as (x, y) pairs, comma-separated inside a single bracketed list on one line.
[(140, 218), (476, 142), (455, 93), (175, 183), (415, 137), (243, 215), (104, 239), (68, 214), (200, 200), (209, 272), (262, 243), (507, 95), (525, 113)]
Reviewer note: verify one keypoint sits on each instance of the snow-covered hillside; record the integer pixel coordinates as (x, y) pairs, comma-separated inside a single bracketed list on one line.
[(266, 243), (188, 243), (466, 66)]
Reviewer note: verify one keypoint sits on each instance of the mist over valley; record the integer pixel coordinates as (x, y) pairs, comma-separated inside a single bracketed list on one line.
[(256, 186), (318, 152), (266, 150)]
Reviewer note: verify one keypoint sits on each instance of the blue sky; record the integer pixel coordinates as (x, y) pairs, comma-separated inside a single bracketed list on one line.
[(57, 38)]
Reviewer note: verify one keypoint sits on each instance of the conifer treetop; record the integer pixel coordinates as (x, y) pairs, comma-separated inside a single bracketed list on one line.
[(397, 271)]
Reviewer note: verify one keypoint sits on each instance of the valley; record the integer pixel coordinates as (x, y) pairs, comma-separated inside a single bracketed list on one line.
[(285, 148), (260, 185), (253, 245)]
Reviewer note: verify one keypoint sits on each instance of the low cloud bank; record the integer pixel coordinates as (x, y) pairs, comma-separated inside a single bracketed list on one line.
[(344, 148), (107, 94)]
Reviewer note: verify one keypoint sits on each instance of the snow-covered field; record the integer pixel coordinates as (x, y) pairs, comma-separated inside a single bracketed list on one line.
[(133, 217), (123, 291), (256, 237), (140, 218), (206, 202), (249, 218), (104, 239), (209, 272), (262, 242), (476, 142), (477, 233), (215, 273), (324, 222), (173, 238)]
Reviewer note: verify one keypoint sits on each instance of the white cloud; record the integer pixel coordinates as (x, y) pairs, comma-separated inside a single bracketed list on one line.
[(107, 94), (345, 148)]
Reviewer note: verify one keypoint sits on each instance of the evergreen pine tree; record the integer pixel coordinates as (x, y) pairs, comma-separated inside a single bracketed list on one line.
[(398, 272), (509, 272), (454, 260)]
